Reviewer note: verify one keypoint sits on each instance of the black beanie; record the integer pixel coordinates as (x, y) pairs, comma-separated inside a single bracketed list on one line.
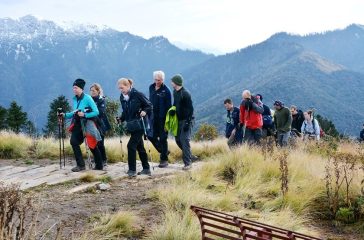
[(79, 83), (177, 79)]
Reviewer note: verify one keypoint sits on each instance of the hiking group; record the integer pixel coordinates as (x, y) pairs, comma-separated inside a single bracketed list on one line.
[(150, 118), (254, 120)]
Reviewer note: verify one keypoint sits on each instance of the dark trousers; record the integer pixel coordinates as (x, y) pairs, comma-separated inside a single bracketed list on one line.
[(159, 140), (101, 147), (253, 136), (136, 144), (183, 141), (76, 141)]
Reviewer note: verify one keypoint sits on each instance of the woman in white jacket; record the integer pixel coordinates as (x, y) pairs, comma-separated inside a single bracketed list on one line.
[(310, 127)]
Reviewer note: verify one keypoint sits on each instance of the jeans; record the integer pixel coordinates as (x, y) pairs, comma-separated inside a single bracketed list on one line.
[(183, 141), (282, 138)]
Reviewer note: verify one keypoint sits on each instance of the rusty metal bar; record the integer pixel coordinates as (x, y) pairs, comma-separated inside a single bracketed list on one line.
[(248, 229)]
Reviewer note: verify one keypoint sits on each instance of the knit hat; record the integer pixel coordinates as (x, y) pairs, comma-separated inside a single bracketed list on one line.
[(177, 79), (278, 103), (79, 83), (260, 96)]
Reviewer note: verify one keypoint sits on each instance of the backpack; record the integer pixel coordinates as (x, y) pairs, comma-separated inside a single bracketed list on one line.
[(267, 121)]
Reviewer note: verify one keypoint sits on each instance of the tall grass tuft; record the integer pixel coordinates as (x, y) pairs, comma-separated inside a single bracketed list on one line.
[(14, 145)]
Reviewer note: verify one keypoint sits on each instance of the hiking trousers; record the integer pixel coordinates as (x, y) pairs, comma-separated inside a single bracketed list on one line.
[(183, 139), (136, 144), (76, 140)]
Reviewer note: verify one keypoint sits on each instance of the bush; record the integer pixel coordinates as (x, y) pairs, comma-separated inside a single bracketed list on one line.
[(206, 132)]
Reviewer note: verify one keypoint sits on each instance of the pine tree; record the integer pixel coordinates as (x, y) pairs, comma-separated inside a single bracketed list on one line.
[(30, 129), (3, 113), (327, 126), (16, 119), (112, 108), (52, 119)]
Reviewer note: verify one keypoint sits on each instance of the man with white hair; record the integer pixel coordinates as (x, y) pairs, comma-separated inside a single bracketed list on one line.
[(161, 98), (251, 119)]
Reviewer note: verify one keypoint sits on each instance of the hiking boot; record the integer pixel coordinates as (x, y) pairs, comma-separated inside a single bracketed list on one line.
[(131, 173), (187, 167), (194, 158), (78, 169), (163, 164), (99, 169), (145, 172)]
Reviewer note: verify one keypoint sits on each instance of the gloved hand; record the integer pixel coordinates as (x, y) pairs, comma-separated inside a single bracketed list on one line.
[(118, 119), (186, 126), (172, 112)]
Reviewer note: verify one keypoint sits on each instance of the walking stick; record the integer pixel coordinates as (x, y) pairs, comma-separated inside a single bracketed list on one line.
[(60, 140), (146, 139), (63, 137), (120, 139)]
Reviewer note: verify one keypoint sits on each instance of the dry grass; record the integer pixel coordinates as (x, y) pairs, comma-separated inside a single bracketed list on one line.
[(241, 182), (122, 225), (14, 145)]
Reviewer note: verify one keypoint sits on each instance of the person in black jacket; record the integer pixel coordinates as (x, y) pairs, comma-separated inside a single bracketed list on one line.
[(160, 96), (103, 122), (297, 119), (135, 109), (184, 111)]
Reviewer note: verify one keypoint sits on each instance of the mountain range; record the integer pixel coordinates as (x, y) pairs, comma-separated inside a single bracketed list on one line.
[(39, 61)]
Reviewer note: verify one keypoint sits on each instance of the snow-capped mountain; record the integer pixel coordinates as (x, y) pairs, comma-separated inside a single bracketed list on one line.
[(40, 59)]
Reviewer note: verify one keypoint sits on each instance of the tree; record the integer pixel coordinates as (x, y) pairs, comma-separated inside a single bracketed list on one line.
[(52, 118), (327, 126), (30, 129), (3, 113), (112, 108), (16, 119)]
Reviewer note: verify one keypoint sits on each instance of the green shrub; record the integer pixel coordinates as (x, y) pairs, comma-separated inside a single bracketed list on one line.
[(206, 132)]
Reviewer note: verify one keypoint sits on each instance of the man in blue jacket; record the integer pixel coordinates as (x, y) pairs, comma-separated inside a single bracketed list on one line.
[(232, 131), (160, 96), (85, 110), (362, 134)]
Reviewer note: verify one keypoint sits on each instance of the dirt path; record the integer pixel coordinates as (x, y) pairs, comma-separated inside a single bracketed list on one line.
[(77, 211)]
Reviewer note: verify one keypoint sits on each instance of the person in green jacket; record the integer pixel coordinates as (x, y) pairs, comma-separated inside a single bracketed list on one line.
[(282, 121)]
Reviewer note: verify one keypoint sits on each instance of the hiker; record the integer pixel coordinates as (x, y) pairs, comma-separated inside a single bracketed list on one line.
[(160, 97), (135, 109), (184, 111), (251, 109), (102, 121), (232, 131), (297, 120), (83, 126), (282, 122), (268, 126), (361, 136), (310, 127)]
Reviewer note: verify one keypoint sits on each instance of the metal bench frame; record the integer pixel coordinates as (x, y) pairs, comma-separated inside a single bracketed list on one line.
[(218, 225)]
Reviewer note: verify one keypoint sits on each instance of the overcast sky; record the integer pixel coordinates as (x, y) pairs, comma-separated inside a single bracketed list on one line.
[(222, 25)]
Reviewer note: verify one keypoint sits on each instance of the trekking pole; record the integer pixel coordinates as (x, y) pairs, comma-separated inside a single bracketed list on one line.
[(60, 141), (120, 140), (86, 144), (63, 137), (146, 139)]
